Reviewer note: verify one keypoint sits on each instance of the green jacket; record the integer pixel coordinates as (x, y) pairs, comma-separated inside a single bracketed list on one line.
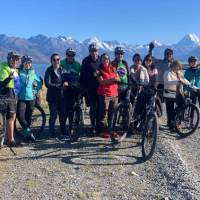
[(5, 73), (75, 66)]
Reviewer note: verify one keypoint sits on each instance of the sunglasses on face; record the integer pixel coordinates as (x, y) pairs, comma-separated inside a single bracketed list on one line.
[(136, 60), (169, 54), (56, 59), (70, 55), (28, 62), (120, 54), (15, 58), (148, 60)]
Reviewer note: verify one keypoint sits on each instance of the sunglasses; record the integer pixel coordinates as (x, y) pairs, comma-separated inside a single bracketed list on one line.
[(70, 55), (29, 62), (136, 60), (56, 59), (148, 60), (120, 54)]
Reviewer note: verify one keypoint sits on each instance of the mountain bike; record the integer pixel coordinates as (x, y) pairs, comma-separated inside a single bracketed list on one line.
[(122, 118), (146, 124), (186, 115), (77, 123)]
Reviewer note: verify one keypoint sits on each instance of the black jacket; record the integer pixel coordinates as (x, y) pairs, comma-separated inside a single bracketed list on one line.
[(88, 79), (53, 84)]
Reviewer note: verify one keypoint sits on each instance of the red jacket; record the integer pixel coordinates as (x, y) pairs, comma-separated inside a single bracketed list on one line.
[(109, 89)]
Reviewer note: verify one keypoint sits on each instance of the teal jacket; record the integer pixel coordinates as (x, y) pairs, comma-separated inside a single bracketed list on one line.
[(30, 84), (193, 75)]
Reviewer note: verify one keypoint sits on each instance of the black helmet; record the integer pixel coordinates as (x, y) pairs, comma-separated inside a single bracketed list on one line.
[(71, 50), (192, 59), (26, 59), (12, 54), (137, 55), (119, 50), (168, 50), (93, 46)]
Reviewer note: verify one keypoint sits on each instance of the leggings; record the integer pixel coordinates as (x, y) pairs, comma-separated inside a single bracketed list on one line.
[(24, 112)]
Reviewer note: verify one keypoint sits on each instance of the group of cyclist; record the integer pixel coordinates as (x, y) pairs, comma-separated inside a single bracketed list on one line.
[(103, 83), (20, 85)]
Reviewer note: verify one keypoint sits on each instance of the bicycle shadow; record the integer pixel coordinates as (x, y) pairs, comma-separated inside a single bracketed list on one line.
[(166, 133), (96, 148)]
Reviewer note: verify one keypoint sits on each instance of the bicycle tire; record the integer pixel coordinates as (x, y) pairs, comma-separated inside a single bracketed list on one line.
[(122, 127), (159, 108), (183, 116), (76, 127), (40, 128), (150, 134)]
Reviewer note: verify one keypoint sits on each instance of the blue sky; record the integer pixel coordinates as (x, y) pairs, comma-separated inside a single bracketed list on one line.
[(129, 21)]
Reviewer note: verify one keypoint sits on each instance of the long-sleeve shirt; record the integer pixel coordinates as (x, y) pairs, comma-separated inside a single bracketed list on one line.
[(171, 79), (140, 75)]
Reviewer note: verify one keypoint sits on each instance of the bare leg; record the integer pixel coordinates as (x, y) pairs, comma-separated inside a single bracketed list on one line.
[(10, 127)]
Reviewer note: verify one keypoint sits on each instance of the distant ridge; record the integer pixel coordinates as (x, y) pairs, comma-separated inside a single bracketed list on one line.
[(40, 47)]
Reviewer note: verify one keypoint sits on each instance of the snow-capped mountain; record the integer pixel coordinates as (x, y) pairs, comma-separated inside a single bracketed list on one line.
[(40, 47)]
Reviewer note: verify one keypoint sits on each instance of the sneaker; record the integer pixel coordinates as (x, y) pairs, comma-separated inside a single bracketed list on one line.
[(105, 135), (12, 143), (114, 135), (31, 137)]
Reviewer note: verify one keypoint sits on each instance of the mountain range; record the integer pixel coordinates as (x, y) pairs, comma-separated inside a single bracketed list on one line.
[(40, 47)]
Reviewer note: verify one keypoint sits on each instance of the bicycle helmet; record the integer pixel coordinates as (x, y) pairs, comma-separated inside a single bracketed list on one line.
[(12, 54), (93, 46), (71, 51), (168, 50), (192, 59), (26, 59), (119, 50)]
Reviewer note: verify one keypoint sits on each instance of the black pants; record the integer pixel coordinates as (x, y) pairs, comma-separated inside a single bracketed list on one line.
[(170, 109), (71, 96), (57, 108), (24, 112), (195, 98), (94, 108)]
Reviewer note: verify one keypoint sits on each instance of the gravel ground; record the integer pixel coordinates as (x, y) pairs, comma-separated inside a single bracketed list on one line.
[(91, 169)]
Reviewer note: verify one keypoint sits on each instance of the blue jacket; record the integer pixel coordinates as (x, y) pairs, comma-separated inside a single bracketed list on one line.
[(30, 84), (193, 74)]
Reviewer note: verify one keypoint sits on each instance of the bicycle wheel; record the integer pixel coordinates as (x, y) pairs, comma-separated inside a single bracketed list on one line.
[(76, 128), (38, 120), (122, 119), (159, 108), (149, 136), (186, 120)]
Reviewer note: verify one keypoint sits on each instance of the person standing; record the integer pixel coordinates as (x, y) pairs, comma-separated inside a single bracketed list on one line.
[(29, 84), (70, 78), (8, 75), (122, 69), (108, 96), (192, 74), (53, 82), (89, 82), (173, 82)]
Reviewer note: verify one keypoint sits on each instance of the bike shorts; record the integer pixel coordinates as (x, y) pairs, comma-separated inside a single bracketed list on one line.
[(11, 109)]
